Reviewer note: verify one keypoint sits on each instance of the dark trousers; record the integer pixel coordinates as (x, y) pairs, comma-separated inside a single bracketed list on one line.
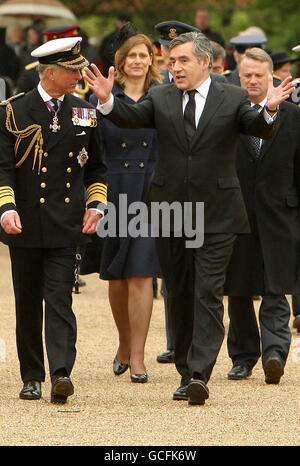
[(296, 304), (44, 275), (169, 333), (245, 343), (194, 281)]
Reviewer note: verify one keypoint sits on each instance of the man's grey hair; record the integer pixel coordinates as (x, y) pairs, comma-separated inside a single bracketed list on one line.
[(42, 68), (201, 43)]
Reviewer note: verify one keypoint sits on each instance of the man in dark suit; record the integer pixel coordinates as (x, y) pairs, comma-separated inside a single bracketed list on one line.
[(50, 152), (265, 262), (198, 122), (168, 31)]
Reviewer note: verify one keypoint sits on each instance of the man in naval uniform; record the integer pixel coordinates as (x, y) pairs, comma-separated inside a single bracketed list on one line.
[(50, 154)]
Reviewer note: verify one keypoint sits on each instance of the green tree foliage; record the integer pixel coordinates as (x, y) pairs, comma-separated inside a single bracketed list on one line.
[(280, 20)]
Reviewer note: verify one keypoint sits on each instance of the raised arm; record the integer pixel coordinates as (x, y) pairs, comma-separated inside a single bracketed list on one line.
[(278, 94), (100, 85)]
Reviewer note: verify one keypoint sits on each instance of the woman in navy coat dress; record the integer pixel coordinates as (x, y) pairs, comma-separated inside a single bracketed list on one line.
[(129, 264)]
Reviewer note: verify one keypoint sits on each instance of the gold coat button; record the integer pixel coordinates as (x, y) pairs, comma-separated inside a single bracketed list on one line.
[(45, 154), (43, 185), (68, 185), (69, 169), (142, 165), (123, 144), (44, 169), (67, 200), (70, 154), (126, 164), (145, 144), (42, 200)]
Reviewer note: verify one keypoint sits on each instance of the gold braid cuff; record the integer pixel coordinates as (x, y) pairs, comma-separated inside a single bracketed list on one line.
[(97, 192), (7, 195), (37, 138)]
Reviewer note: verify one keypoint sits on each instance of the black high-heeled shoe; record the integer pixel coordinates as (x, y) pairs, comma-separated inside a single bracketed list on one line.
[(119, 367), (139, 378)]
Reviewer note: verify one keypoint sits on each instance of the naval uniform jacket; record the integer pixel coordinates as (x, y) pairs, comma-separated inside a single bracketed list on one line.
[(203, 171), (51, 201), (267, 260)]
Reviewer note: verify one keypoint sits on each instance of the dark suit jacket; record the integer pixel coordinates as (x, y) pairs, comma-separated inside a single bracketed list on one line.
[(51, 204), (268, 260), (205, 171)]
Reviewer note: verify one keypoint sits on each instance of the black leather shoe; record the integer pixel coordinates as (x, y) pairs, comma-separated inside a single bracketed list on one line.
[(197, 392), (167, 357), (180, 393), (119, 367), (239, 372), (296, 323), (31, 390), (274, 369), (62, 387), (139, 378)]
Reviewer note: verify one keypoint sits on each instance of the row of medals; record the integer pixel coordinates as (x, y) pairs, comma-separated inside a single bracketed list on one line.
[(84, 116)]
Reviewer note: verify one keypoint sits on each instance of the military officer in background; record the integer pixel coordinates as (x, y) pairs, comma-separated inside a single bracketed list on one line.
[(50, 153), (29, 78), (241, 43)]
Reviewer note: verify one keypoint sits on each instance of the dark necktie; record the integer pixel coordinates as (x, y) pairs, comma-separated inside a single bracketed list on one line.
[(189, 116), (256, 143), (55, 104)]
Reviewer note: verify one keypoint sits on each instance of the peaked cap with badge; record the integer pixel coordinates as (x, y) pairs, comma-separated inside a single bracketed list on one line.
[(64, 52), (169, 30)]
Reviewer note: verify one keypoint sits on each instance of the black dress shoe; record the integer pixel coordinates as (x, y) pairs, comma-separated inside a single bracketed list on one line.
[(180, 393), (31, 390), (274, 369), (139, 378), (197, 392), (62, 387), (296, 323), (167, 357), (239, 372), (119, 367)]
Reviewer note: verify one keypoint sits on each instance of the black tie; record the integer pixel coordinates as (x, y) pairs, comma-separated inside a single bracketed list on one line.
[(254, 140), (189, 116), (54, 104)]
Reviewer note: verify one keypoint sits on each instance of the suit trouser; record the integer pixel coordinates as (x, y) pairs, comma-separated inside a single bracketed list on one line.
[(169, 333), (44, 275), (296, 304), (194, 281), (244, 342)]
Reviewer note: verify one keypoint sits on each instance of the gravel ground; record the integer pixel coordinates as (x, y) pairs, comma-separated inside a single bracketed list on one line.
[(112, 411)]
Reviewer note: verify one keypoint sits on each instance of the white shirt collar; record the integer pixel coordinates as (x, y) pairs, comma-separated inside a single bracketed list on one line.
[(262, 103), (203, 88), (45, 96)]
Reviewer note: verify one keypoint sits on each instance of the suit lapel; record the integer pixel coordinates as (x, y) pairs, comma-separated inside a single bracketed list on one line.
[(214, 99), (268, 143), (174, 102)]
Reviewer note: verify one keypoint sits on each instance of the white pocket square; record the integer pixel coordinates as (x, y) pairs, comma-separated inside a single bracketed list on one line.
[(81, 134)]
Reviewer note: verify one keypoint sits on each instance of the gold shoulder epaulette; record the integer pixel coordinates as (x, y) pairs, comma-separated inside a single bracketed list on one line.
[(277, 77), (226, 72), (31, 65), (13, 97)]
